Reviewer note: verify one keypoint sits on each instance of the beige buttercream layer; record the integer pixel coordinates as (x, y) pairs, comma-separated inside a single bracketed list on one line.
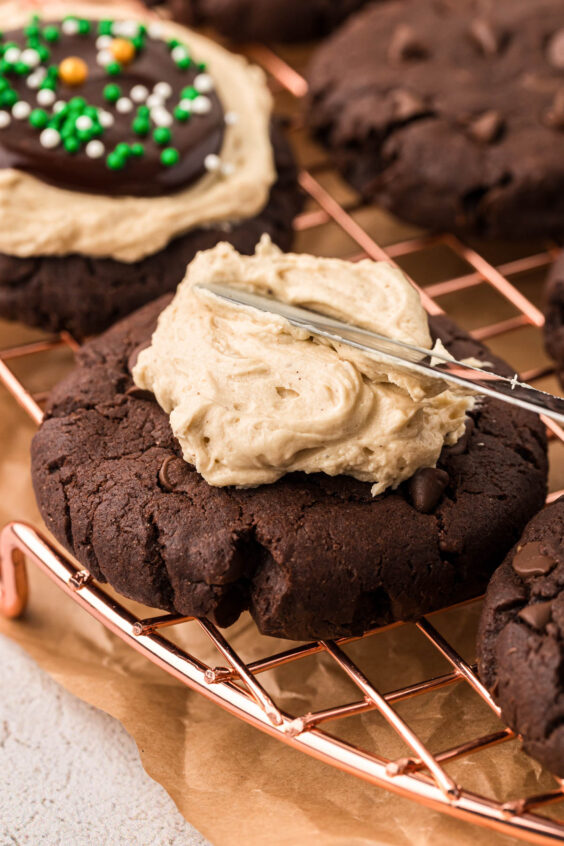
[(40, 219), (251, 398)]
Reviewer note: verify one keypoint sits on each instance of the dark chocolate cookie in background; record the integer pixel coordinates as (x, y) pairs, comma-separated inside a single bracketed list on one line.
[(521, 638), (266, 20), (120, 110), (449, 114), (309, 556), (554, 313)]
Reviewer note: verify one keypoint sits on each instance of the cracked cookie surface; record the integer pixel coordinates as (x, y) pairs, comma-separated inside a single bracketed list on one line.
[(309, 556), (479, 82), (521, 638)]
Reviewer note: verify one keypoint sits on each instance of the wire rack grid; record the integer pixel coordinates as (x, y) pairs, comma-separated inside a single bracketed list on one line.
[(234, 684)]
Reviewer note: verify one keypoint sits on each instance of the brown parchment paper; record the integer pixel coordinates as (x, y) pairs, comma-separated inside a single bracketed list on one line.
[(233, 783)]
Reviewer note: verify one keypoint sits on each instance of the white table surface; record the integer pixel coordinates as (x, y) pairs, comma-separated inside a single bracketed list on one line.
[(70, 775)]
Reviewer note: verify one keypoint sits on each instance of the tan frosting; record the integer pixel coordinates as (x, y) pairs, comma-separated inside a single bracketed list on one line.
[(40, 219), (250, 398)]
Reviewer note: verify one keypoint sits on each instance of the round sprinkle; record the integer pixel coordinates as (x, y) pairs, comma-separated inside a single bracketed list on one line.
[(71, 144), (231, 118), (12, 55), (35, 79), (46, 97), (104, 58), (212, 163), (115, 162), (186, 105), (141, 126), (154, 101), (21, 110), (77, 103), (155, 30), (184, 63), (124, 105), (5, 119), (73, 70), (9, 98), (179, 53), (201, 105), (31, 57), (162, 136), (203, 83), (106, 118), (59, 106), (189, 93), (137, 150), (50, 138), (163, 90), (181, 114), (122, 50), (51, 34), (83, 122), (129, 29), (38, 118), (112, 92), (95, 149), (170, 156), (161, 117), (103, 42), (44, 52), (70, 26), (139, 93), (113, 68)]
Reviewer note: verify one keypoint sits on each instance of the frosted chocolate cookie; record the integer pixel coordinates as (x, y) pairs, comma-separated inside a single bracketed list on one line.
[(521, 638), (126, 147), (450, 114), (266, 20), (554, 313), (221, 461)]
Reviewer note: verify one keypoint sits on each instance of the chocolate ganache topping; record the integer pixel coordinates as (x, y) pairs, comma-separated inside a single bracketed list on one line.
[(107, 107)]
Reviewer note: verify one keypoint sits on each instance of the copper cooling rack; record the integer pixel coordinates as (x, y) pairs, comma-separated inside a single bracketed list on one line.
[(422, 774)]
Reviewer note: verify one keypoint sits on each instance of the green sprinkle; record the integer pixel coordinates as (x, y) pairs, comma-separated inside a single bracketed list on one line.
[(137, 150), (184, 63), (113, 68), (51, 34), (202, 66), (115, 162), (53, 71), (112, 92), (3, 84), (21, 68), (170, 156), (142, 29), (105, 27), (84, 134), (5, 67), (162, 135), (7, 46), (77, 104), (48, 84), (44, 53), (83, 27), (138, 42), (123, 150), (181, 114), (39, 118), (189, 93), (71, 144), (141, 126), (174, 42), (143, 111), (9, 98), (32, 31)]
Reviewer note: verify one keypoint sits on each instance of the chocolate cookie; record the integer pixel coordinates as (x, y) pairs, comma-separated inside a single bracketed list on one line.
[(126, 147), (310, 556), (521, 638), (450, 114), (554, 312), (266, 20)]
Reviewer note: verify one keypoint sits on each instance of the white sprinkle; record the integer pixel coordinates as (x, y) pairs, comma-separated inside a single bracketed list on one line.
[(139, 93), (201, 105), (105, 118), (161, 117), (227, 169), (124, 105), (212, 163), (70, 27), (231, 118), (104, 58), (178, 53), (49, 138), (103, 42), (31, 57), (35, 79), (129, 29), (46, 97), (21, 110), (203, 83), (12, 55), (155, 30), (83, 122), (162, 90), (59, 106), (186, 105), (95, 149), (5, 119), (154, 101)]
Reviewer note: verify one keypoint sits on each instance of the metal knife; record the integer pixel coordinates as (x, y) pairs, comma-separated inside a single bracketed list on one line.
[(426, 362)]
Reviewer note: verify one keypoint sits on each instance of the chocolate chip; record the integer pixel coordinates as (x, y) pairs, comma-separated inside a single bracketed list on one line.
[(487, 127), (537, 615), (554, 117), (406, 45), (406, 104), (426, 488), (461, 446), (163, 476), (531, 560), (555, 50), (139, 393), (488, 37), (134, 355)]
